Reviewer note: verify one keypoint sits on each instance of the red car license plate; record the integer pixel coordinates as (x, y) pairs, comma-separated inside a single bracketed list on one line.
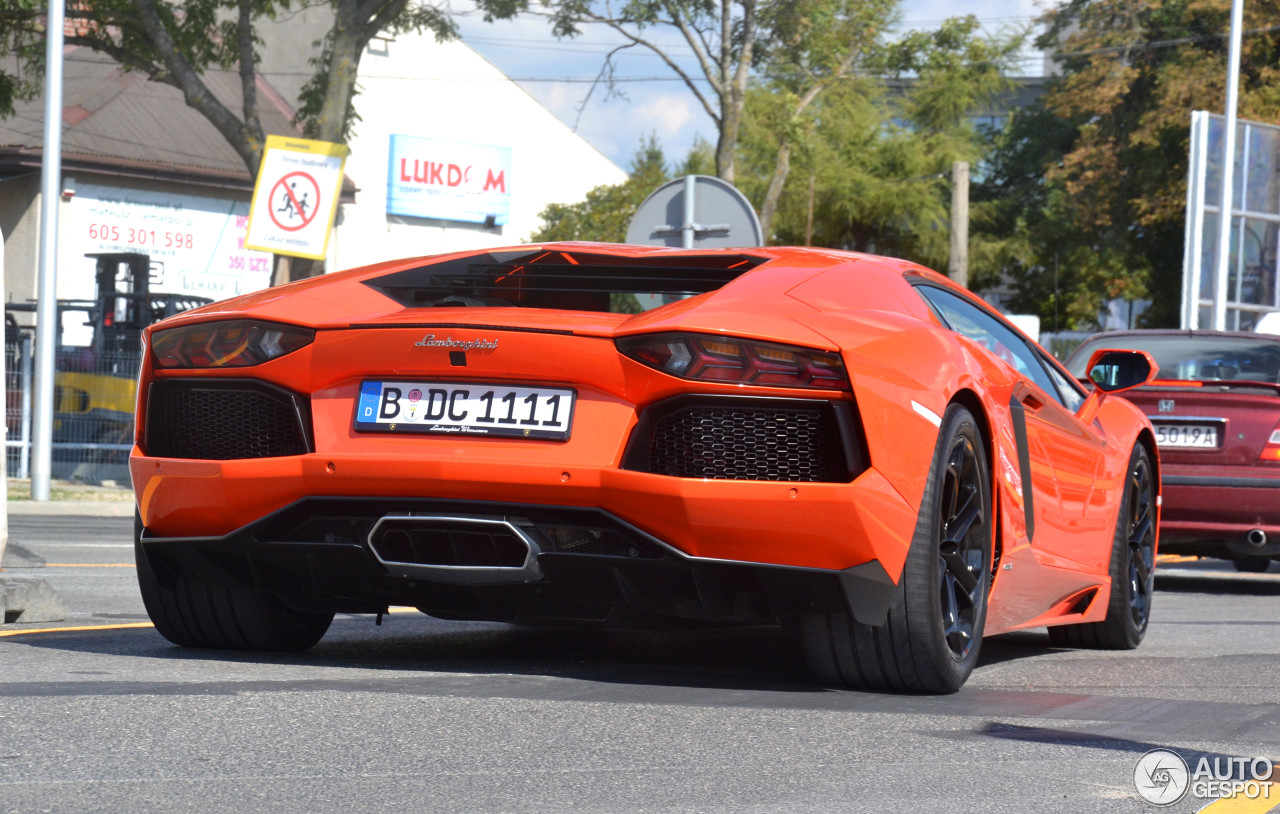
[(1187, 436)]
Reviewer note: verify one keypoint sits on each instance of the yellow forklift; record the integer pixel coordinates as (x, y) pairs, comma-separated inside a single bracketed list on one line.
[(95, 386)]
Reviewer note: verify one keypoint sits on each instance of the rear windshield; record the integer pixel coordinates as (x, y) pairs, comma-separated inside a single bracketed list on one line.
[(1194, 358), (572, 280)]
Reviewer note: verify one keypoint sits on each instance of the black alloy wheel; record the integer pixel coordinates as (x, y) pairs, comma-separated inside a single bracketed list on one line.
[(1139, 520), (962, 549), (932, 635)]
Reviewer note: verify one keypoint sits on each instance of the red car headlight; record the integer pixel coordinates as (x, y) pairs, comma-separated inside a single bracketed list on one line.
[(732, 360), (233, 343)]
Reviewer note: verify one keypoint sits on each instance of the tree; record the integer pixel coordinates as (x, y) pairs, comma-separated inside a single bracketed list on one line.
[(801, 44), (22, 37), (872, 162), (814, 44), (175, 43), (607, 210), (1102, 162), (722, 35)]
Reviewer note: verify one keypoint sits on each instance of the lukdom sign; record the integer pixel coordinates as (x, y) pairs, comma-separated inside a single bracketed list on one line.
[(430, 178)]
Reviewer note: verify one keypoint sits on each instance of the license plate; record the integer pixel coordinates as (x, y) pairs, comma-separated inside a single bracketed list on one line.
[(1187, 436), (465, 408)]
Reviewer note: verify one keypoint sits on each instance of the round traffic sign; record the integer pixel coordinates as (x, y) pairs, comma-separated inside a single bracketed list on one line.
[(295, 200)]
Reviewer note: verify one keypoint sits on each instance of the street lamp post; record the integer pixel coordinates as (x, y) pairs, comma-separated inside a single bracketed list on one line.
[(1221, 266)]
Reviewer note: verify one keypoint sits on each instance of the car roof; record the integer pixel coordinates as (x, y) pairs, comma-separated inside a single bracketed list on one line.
[(1183, 332)]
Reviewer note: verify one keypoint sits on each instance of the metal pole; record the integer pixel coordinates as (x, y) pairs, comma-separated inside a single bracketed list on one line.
[(1193, 247), (808, 224), (4, 434), (690, 218), (959, 265), (24, 454), (47, 288), (1220, 265)]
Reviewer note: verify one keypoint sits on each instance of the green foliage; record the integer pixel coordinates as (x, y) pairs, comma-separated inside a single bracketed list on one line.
[(311, 108), (22, 37), (876, 150), (957, 73), (1091, 182), (701, 160)]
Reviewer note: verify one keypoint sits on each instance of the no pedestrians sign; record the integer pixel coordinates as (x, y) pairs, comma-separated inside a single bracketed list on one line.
[(296, 196)]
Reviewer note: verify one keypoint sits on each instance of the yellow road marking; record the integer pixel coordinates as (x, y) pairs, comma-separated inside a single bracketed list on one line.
[(73, 629), (127, 625), (1175, 558)]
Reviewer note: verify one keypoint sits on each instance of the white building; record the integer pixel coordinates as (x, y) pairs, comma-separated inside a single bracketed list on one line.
[(450, 154)]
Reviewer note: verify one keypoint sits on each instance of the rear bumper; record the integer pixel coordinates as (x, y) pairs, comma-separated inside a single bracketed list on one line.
[(827, 526), (1212, 514), (316, 554)]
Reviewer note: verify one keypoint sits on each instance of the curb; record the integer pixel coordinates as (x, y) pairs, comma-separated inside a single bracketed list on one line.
[(26, 599), (82, 508)]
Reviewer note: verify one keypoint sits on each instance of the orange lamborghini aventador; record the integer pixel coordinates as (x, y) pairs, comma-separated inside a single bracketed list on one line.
[(848, 445)]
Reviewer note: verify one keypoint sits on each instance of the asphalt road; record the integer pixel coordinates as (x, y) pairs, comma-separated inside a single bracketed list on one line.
[(425, 715)]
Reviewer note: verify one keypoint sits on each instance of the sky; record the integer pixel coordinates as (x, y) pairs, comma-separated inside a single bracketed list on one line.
[(559, 74)]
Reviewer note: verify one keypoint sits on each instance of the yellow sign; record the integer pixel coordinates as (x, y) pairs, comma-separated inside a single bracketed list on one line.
[(296, 197)]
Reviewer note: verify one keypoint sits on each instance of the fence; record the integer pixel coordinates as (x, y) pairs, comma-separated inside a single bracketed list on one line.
[(93, 403)]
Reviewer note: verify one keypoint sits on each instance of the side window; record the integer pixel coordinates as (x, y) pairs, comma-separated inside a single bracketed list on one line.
[(1071, 395), (967, 319)]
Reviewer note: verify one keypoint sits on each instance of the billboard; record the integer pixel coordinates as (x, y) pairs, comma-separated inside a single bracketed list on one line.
[(196, 243), (449, 180)]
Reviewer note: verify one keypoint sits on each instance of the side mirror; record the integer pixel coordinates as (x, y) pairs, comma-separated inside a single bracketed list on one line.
[(1113, 371)]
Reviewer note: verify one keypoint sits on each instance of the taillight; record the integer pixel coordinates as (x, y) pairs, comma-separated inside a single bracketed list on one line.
[(736, 361), (1271, 452), (233, 343)]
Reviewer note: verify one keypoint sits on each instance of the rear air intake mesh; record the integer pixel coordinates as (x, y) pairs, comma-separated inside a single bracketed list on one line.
[(731, 441), (224, 420)]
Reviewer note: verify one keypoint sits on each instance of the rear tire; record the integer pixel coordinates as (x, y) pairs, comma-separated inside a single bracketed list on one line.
[(195, 613), (931, 639), (1252, 565), (1132, 569)]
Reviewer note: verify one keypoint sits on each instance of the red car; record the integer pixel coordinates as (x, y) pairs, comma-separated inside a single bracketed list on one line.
[(850, 446), (1215, 408)]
